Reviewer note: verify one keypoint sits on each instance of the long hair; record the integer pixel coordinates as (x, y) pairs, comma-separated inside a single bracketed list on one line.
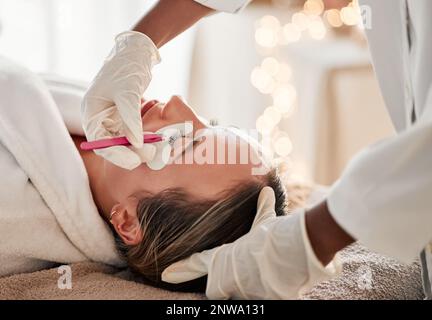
[(175, 226)]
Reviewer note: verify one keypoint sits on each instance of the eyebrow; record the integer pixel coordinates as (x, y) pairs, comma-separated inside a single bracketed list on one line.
[(214, 128), (194, 143)]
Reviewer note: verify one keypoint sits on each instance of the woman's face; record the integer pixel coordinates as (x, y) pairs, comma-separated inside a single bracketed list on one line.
[(202, 180)]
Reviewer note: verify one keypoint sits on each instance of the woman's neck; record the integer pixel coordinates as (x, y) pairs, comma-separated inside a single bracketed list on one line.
[(94, 166)]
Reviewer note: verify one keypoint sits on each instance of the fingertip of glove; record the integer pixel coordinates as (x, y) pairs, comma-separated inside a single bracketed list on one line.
[(134, 134), (176, 273), (175, 277), (134, 140), (167, 277)]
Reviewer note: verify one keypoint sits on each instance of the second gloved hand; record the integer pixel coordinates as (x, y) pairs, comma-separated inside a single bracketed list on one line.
[(274, 260), (112, 105)]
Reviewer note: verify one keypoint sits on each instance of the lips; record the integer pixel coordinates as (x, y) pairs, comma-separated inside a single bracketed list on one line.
[(147, 105)]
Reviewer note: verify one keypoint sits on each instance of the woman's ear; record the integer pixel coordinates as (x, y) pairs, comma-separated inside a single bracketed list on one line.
[(124, 218)]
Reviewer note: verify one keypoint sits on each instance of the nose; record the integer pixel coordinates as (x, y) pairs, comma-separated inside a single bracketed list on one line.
[(147, 105), (177, 100), (175, 106)]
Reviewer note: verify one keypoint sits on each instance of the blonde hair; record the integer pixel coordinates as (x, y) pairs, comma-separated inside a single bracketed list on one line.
[(175, 226)]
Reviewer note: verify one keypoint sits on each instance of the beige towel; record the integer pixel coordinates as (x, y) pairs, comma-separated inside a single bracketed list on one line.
[(89, 281), (365, 275), (370, 276)]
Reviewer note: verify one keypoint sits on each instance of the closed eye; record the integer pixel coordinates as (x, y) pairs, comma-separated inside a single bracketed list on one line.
[(194, 144)]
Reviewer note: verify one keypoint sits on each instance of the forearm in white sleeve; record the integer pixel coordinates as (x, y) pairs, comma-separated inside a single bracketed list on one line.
[(384, 199), (231, 6)]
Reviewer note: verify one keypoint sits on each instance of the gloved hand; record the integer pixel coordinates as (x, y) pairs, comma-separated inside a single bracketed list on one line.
[(273, 261), (112, 105)]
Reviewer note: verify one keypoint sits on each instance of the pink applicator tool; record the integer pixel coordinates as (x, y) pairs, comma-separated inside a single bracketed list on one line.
[(120, 141)]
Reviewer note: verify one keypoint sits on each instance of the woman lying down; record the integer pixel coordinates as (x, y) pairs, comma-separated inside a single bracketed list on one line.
[(204, 197), (60, 204)]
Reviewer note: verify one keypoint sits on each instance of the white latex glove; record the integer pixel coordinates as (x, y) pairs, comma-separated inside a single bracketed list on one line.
[(274, 260), (112, 105)]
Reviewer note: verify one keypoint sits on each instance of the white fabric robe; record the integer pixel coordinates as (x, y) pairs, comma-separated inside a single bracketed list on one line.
[(47, 214)]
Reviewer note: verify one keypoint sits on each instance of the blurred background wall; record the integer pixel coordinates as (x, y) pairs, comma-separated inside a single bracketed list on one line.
[(72, 37)]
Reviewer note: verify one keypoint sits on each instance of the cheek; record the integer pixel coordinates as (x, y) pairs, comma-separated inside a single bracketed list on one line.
[(119, 181), (152, 120), (153, 125)]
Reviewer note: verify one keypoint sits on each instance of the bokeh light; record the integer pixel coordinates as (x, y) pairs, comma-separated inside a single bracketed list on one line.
[(284, 97), (350, 16), (270, 65), (273, 115), (259, 78), (283, 146), (317, 29), (264, 125), (270, 22), (273, 76), (333, 18), (314, 7), (266, 37), (300, 20)]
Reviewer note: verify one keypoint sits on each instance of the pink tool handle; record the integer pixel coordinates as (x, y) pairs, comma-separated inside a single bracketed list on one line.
[(120, 141)]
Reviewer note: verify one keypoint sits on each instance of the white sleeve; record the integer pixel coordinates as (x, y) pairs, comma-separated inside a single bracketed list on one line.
[(384, 199), (232, 6)]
